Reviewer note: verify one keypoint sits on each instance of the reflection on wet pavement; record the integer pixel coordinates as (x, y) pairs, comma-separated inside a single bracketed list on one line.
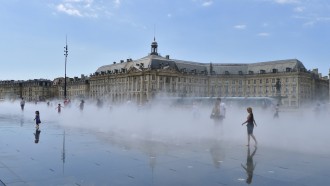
[(75, 156)]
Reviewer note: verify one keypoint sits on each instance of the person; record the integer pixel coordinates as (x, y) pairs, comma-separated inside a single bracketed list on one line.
[(250, 166), (216, 115), (81, 106), (22, 103), (37, 119), (250, 125), (59, 108), (66, 101)]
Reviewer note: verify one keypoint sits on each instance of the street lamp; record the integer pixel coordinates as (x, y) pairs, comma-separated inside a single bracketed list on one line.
[(66, 55)]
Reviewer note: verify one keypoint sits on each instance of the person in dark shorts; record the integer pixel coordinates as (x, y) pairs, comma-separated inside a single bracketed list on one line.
[(250, 125), (37, 119)]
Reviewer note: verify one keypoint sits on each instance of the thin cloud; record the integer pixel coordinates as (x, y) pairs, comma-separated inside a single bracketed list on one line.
[(263, 34), (117, 3), (87, 8), (287, 1), (311, 20), (240, 27), (299, 9), (207, 3), (68, 10)]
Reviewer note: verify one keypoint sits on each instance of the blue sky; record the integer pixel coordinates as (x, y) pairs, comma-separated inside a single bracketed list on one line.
[(99, 32)]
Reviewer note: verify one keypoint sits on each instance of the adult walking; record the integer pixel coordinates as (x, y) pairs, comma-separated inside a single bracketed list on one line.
[(250, 125)]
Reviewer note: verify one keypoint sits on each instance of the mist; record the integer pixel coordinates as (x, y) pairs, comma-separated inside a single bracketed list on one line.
[(300, 130)]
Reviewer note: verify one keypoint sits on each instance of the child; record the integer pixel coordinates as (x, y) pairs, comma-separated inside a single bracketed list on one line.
[(250, 125), (37, 119), (59, 108)]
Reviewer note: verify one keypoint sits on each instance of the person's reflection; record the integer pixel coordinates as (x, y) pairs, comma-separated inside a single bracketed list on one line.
[(217, 153), (249, 165), (37, 136)]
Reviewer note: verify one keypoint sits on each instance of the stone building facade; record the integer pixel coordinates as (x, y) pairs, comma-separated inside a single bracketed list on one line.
[(77, 88), (30, 90), (144, 79), (10, 89), (154, 76)]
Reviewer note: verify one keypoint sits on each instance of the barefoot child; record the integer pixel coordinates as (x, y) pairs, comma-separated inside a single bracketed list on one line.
[(37, 119), (59, 108), (250, 125)]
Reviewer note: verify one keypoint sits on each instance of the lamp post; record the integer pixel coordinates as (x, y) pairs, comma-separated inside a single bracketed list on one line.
[(66, 55)]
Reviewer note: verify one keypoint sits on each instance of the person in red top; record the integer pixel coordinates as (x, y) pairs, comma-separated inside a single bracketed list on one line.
[(250, 125)]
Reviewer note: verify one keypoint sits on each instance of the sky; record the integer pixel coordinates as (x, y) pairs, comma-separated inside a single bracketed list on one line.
[(33, 33)]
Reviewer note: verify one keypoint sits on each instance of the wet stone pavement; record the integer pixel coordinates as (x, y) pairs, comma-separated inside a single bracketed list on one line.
[(74, 156)]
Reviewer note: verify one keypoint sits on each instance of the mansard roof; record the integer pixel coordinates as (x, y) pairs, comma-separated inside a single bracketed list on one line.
[(229, 68), (279, 65), (158, 62)]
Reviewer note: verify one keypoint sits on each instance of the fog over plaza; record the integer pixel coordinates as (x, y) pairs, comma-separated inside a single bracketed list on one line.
[(300, 130)]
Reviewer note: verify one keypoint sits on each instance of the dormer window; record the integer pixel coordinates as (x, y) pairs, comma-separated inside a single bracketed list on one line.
[(240, 72), (274, 70), (288, 70), (226, 72), (250, 72), (262, 71)]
